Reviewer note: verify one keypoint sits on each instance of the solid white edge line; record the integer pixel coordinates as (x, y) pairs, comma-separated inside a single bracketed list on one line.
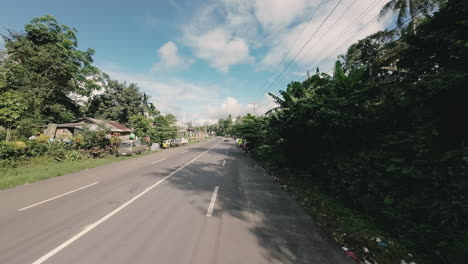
[(157, 161), (56, 197), (212, 202), (109, 215)]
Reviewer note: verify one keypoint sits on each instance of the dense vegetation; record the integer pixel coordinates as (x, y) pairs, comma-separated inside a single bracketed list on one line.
[(45, 78), (386, 135)]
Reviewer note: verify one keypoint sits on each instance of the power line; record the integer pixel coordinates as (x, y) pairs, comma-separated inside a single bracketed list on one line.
[(352, 38), (346, 42), (340, 35), (302, 48), (289, 48)]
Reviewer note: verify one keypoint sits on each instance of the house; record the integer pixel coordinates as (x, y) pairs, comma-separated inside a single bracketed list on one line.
[(71, 129)]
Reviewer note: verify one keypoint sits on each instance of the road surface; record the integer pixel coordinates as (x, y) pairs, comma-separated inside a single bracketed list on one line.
[(204, 203)]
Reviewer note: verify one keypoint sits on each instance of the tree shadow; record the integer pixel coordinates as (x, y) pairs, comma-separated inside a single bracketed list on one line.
[(249, 194)]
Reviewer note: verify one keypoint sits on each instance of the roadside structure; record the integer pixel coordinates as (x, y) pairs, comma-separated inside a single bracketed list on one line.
[(113, 128)]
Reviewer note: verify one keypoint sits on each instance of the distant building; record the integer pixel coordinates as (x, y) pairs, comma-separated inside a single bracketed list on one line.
[(92, 124), (184, 131)]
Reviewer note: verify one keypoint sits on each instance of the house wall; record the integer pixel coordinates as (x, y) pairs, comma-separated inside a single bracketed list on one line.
[(63, 132)]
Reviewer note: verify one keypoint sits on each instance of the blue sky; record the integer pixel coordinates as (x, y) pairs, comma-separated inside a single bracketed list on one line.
[(202, 60)]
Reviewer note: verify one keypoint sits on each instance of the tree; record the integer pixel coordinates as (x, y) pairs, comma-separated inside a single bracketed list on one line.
[(118, 102), (370, 52), (150, 109), (12, 108), (408, 7), (251, 128), (140, 124), (45, 65), (165, 120)]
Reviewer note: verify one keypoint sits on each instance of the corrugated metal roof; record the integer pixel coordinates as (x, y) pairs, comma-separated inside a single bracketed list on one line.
[(111, 125)]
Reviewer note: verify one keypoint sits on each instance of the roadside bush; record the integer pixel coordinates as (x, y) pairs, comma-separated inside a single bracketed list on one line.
[(78, 141), (94, 139), (28, 127), (42, 138), (58, 151), (98, 152), (12, 150), (37, 147)]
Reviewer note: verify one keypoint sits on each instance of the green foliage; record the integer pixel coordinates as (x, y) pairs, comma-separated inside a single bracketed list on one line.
[(118, 102), (411, 8), (163, 128), (12, 108), (90, 143), (141, 125), (165, 120), (386, 134), (45, 66), (161, 133), (224, 125), (251, 128)]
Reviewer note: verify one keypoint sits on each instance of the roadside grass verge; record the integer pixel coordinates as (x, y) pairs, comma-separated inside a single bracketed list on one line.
[(42, 168)]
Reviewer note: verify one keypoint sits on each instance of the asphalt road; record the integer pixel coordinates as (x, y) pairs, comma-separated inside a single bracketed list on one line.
[(204, 203)]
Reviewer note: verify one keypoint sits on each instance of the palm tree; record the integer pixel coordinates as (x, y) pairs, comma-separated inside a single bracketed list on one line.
[(405, 7), (150, 109)]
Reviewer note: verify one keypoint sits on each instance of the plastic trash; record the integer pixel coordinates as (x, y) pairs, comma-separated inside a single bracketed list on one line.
[(155, 146), (351, 254), (403, 262), (366, 250), (382, 244), (345, 248), (366, 262), (378, 240)]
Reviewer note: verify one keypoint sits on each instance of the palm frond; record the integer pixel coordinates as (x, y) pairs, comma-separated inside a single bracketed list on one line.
[(274, 109), (390, 6), (277, 99)]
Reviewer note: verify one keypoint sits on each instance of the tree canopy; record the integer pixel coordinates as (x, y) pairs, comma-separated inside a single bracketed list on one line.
[(45, 77), (386, 134)]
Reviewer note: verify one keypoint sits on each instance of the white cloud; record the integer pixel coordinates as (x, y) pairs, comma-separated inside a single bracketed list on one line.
[(231, 106), (220, 49), (201, 104), (169, 58), (276, 15), (329, 40), (176, 96), (274, 25)]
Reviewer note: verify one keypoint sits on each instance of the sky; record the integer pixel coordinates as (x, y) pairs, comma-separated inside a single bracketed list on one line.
[(204, 59)]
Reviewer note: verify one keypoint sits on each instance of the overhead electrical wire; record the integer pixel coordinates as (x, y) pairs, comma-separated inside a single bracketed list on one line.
[(340, 35), (302, 48), (360, 31), (354, 36), (290, 47)]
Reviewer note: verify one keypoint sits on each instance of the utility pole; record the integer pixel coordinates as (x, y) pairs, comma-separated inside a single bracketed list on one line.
[(254, 103)]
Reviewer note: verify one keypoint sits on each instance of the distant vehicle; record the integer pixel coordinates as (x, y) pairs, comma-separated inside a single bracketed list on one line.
[(176, 142), (226, 139), (166, 143), (130, 147), (184, 141)]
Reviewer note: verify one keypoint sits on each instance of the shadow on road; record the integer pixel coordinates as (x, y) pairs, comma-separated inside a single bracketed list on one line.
[(251, 196)]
